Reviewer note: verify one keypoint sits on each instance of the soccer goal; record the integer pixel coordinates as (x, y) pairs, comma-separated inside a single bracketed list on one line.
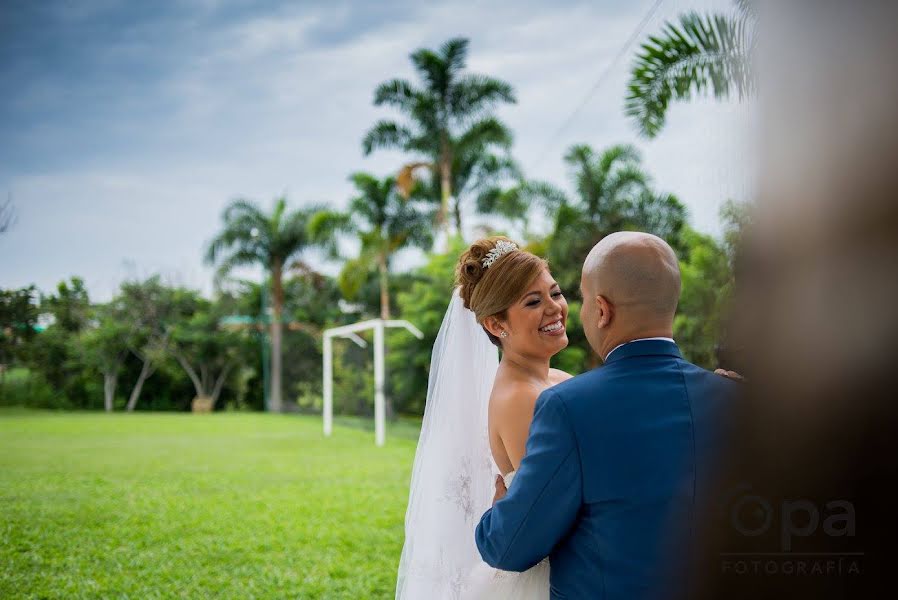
[(351, 332)]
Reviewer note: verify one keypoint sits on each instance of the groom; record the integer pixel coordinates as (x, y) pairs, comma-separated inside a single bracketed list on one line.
[(619, 463)]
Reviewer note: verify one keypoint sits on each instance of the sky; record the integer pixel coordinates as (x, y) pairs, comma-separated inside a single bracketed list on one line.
[(127, 127)]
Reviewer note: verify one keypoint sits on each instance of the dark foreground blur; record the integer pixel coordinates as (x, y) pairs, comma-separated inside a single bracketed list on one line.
[(808, 505)]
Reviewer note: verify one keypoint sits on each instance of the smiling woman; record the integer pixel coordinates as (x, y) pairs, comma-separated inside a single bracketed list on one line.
[(476, 419), (492, 275)]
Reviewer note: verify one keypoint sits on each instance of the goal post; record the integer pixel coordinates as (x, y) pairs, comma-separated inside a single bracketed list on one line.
[(351, 332)]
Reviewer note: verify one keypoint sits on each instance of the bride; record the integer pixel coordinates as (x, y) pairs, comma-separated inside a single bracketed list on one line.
[(477, 418)]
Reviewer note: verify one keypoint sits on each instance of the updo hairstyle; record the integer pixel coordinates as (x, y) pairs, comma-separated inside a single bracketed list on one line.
[(490, 291)]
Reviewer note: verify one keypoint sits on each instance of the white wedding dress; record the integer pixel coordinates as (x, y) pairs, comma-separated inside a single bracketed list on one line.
[(453, 475), (487, 582)]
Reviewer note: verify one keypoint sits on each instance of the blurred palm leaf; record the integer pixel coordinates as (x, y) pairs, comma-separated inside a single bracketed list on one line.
[(702, 53)]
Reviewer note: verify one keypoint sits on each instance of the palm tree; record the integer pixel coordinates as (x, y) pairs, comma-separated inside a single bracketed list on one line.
[(448, 119), (613, 194), (249, 237), (385, 222), (478, 172), (703, 52)]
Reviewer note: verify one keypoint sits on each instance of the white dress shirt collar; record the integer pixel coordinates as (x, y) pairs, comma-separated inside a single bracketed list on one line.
[(665, 339)]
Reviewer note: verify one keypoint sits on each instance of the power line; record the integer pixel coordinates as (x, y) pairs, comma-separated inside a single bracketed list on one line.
[(602, 77)]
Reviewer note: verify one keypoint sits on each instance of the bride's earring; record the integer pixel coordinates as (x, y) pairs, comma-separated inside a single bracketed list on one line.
[(504, 334)]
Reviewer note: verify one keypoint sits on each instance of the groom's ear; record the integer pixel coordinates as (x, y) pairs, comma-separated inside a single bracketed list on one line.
[(604, 310)]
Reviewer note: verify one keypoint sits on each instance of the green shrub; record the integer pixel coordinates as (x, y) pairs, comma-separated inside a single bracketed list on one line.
[(21, 387)]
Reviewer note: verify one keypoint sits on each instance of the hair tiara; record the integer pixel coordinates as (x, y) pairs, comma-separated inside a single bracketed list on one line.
[(501, 248)]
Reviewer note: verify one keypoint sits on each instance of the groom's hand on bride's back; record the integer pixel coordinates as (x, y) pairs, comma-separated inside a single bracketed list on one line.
[(730, 375), (501, 490)]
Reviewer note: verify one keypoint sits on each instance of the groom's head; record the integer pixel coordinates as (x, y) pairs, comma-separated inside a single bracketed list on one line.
[(630, 285)]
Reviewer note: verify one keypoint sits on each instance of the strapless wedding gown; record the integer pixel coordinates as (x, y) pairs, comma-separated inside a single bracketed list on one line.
[(488, 583)]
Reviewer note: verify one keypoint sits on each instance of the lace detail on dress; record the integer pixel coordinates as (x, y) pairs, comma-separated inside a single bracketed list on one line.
[(454, 578), (459, 492)]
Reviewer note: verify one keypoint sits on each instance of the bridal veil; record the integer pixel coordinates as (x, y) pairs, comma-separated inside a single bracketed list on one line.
[(452, 477)]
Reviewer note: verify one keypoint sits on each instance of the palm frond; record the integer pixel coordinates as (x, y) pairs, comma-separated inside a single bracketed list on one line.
[(478, 170), (367, 184), (277, 216), (405, 179), (242, 207), (509, 203), (546, 195), (702, 53), (396, 92), (588, 177), (294, 236), (617, 154), (598, 178), (579, 155), (567, 220), (433, 70), (428, 113), (660, 214), (354, 274), (411, 225), (245, 226), (386, 134), (474, 93), (324, 228), (747, 8), (238, 258), (483, 133), (455, 53), (629, 180)]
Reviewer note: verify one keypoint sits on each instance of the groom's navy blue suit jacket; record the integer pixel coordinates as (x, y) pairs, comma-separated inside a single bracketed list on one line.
[(616, 477)]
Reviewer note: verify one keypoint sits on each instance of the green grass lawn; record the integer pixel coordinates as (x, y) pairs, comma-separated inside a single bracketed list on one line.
[(186, 506)]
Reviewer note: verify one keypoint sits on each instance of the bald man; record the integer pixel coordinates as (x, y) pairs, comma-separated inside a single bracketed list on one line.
[(631, 286), (615, 483)]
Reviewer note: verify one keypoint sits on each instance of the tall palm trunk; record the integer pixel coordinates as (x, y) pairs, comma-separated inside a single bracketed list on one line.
[(445, 182), (276, 404), (384, 287), (456, 209)]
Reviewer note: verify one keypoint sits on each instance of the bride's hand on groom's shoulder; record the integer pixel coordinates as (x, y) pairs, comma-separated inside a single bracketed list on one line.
[(501, 490), (731, 375)]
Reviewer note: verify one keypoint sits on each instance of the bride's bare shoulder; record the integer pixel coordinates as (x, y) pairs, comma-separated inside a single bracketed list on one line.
[(519, 396), (513, 397), (556, 376)]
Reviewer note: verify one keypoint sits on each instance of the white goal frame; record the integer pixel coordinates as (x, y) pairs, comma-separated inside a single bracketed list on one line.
[(351, 332)]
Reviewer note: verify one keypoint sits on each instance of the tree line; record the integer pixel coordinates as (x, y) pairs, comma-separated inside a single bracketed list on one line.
[(164, 347)]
